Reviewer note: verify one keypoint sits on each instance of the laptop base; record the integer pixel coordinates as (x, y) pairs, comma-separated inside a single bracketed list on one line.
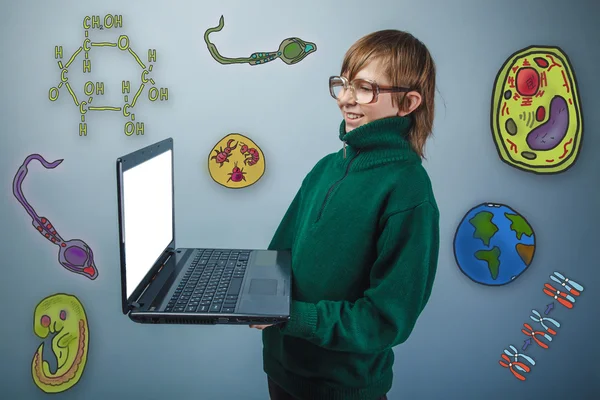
[(262, 298), (199, 319)]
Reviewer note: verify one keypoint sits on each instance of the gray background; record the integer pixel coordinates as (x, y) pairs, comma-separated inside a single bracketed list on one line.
[(455, 347)]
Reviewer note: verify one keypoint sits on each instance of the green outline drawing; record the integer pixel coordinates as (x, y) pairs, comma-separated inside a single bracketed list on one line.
[(291, 50), (91, 89), (62, 316)]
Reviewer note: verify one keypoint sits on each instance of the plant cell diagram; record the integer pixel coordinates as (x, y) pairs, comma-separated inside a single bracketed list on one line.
[(91, 89), (537, 121)]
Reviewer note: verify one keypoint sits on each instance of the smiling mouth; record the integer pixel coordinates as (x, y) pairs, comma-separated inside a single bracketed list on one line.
[(352, 116)]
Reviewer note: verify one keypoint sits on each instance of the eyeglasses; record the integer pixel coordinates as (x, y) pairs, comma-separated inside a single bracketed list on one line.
[(363, 91)]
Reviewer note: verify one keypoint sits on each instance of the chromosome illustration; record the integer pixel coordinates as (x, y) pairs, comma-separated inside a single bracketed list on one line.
[(75, 255), (236, 162), (494, 244), (515, 366), (541, 336), (529, 331), (536, 116), (570, 285), (91, 88), (291, 50), (562, 297), (545, 322), (63, 316), (565, 297)]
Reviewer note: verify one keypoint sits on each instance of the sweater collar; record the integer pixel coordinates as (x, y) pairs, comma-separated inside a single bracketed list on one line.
[(378, 142)]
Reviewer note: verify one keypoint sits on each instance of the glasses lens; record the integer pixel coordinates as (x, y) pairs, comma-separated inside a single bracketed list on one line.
[(363, 90), (336, 87)]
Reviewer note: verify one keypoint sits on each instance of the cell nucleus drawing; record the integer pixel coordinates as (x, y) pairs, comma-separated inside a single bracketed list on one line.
[(291, 50), (74, 255), (536, 117), (63, 316), (236, 162), (494, 244)]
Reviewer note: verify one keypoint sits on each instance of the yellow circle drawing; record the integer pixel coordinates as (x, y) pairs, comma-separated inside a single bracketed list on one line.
[(536, 116), (63, 316), (236, 162)]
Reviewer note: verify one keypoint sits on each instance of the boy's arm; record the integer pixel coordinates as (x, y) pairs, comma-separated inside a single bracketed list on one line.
[(401, 281), (286, 231), (284, 235)]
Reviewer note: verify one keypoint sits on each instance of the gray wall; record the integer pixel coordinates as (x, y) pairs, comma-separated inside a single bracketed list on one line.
[(455, 347)]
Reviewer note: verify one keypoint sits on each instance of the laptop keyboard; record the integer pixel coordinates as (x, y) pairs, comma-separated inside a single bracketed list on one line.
[(212, 283)]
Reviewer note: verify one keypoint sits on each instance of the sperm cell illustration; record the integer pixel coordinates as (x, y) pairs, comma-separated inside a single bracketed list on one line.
[(291, 50), (75, 255), (63, 317)]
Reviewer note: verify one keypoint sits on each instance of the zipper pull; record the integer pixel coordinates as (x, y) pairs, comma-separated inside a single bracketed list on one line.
[(344, 149)]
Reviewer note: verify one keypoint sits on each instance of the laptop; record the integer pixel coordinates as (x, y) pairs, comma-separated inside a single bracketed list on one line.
[(161, 283)]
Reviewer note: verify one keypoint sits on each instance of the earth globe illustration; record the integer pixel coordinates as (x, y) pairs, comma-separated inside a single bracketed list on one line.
[(493, 244)]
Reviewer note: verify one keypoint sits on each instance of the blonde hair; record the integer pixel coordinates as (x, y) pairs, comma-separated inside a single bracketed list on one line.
[(407, 63)]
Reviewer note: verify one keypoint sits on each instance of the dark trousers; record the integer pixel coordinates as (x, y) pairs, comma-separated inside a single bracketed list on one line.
[(277, 393)]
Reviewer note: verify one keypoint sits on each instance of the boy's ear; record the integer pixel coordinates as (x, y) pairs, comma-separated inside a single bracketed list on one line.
[(411, 101)]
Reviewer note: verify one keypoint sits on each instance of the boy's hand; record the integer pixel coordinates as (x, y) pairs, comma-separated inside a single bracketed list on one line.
[(260, 327)]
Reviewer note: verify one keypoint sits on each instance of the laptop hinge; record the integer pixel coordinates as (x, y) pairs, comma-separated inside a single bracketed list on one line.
[(165, 258)]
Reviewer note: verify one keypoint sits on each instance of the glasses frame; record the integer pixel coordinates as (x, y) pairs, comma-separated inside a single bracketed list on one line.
[(376, 88)]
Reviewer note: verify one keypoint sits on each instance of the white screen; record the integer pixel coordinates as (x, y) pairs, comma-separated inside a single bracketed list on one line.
[(148, 216)]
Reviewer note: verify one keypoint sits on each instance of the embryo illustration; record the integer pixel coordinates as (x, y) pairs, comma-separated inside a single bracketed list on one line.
[(63, 316), (75, 255)]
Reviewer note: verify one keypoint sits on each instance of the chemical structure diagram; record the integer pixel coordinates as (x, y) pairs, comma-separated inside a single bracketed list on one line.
[(97, 88), (542, 335)]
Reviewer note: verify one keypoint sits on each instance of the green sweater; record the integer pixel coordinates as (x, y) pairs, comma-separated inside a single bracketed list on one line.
[(364, 236)]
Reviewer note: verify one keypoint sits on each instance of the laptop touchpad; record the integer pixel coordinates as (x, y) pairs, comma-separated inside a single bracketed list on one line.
[(263, 286)]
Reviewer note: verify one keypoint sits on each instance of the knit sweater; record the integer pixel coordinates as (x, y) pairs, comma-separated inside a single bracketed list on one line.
[(363, 231)]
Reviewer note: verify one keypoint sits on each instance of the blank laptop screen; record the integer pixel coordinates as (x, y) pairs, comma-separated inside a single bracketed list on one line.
[(148, 215)]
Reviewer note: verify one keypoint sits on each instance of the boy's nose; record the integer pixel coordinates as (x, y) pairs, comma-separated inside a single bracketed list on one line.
[(347, 97)]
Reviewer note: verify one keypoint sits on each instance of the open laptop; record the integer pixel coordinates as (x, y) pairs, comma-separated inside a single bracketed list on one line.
[(161, 283)]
